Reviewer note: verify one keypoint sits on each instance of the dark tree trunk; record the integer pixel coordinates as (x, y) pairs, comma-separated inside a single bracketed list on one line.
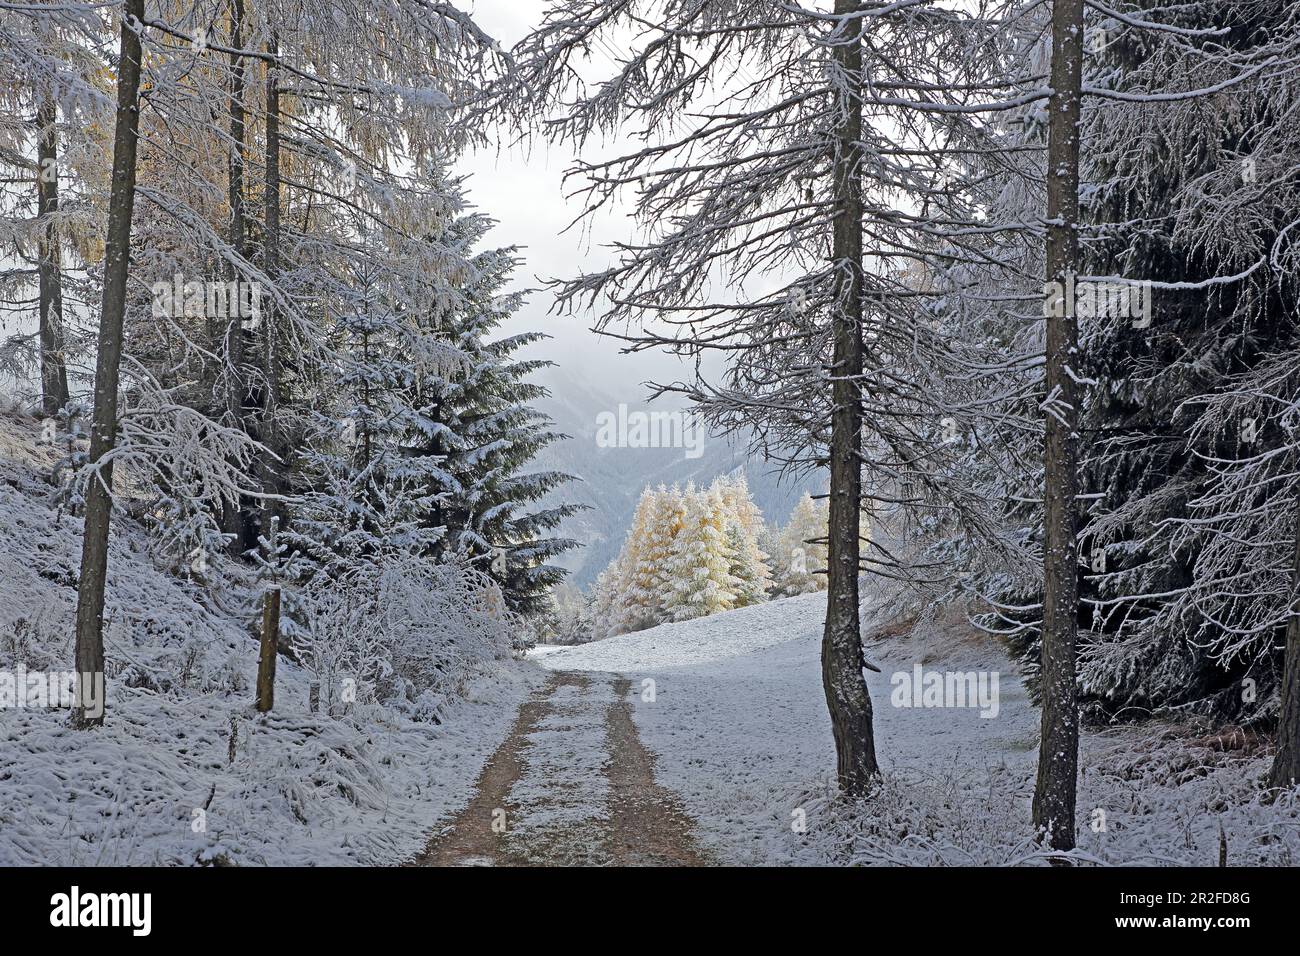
[(103, 430), (842, 659), (54, 372), (272, 478), (1286, 764), (1058, 758), (241, 398)]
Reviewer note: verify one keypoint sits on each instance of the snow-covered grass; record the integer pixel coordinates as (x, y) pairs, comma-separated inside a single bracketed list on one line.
[(161, 782), (738, 723)]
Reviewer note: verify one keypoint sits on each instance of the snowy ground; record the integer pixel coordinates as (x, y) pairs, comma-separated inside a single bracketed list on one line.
[(157, 784), (731, 706), (572, 784), (737, 722)]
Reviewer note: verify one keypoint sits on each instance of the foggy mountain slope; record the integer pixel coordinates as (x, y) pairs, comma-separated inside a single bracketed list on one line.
[(613, 477)]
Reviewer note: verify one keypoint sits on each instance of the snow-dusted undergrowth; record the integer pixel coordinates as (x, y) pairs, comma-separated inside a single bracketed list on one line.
[(162, 781), (740, 731)]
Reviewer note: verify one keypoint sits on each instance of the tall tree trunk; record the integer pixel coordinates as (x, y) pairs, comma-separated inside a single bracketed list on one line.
[(271, 468), (1286, 764), (842, 658), (54, 371), (103, 431), (1058, 758), (241, 398)]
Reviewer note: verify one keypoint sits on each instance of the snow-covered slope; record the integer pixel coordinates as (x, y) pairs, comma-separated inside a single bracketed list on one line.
[(732, 706), (613, 478), (161, 782)]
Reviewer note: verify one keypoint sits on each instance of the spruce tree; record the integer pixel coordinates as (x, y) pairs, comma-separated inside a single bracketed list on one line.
[(477, 419), (1167, 612), (368, 482)]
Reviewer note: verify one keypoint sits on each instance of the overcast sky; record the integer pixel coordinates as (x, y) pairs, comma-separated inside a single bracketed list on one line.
[(523, 191)]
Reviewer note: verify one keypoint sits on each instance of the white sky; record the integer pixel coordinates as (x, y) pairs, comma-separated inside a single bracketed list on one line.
[(523, 191)]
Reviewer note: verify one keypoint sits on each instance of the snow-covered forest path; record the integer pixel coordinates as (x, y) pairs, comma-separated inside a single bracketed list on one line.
[(570, 785), (708, 741), (732, 709)]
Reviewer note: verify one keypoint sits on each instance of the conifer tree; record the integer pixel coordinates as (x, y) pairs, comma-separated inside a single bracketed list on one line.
[(477, 418), (744, 527), (368, 479), (621, 615), (1058, 754), (658, 527), (649, 546), (800, 565), (748, 565), (699, 566), (672, 515), (604, 602), (1164, 545)]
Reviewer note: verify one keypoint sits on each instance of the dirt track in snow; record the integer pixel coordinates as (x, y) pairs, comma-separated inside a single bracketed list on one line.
[(570, 785)]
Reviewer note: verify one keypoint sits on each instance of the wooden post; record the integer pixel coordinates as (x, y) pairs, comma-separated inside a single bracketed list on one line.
[(270, 638)]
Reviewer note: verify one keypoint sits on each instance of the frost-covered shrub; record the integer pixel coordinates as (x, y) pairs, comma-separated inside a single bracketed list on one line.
[(408, 634), (74, 450), (36, 619), (342, 643), (30, 639)]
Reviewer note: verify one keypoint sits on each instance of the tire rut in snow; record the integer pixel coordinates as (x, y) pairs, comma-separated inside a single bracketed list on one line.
[(649, 827), (470, 840), (570, 785)]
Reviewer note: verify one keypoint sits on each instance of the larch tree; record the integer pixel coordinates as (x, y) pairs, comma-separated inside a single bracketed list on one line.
[(700, 582), (842, 658), (671, 515), (54, 370), (176, 429), (625, 611), (758, 178), (748, 565), (799, 564), (103, 433), (627, 596), (52, 111), (664, 513), (744, 530), (1058, 755), (604, 603)]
